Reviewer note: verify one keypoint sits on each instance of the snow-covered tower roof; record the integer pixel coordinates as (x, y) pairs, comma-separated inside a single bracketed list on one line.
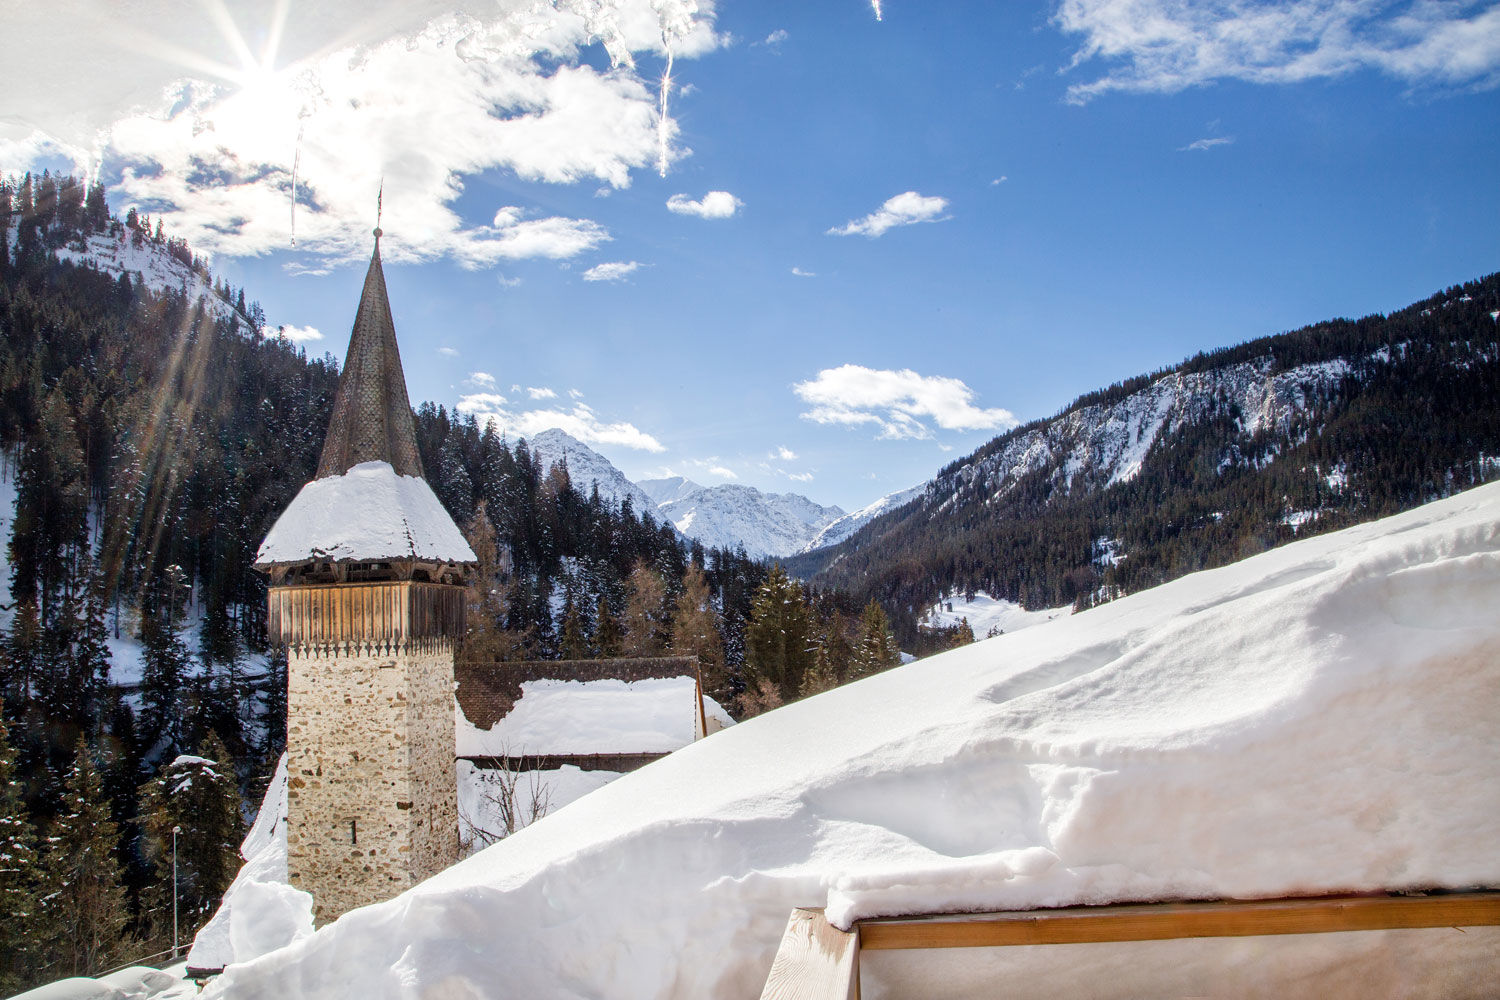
[(369, 502)]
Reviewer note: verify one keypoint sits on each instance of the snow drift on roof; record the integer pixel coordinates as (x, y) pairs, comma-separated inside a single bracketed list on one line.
[(367, 513), (652, 715), (1318, 718)]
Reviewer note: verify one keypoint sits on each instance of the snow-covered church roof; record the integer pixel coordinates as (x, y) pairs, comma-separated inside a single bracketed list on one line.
[(369, 500)]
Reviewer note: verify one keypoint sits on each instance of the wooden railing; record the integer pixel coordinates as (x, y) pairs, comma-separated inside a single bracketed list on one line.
[(817, 961)]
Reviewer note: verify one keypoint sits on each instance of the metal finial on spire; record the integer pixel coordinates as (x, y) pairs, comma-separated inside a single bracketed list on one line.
[(379, 197)]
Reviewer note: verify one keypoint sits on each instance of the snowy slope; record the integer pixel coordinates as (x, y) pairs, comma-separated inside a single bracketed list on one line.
[(587, 468), (1103, 444), (152, 266), (671, 488), (987, 615), (1318, 718), (838, 530), (767, 524)]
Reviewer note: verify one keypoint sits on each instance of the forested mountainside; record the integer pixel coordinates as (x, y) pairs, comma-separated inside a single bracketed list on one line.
[(1231, 452)]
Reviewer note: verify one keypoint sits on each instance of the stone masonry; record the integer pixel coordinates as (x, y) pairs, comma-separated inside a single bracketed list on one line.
[(371, 808)]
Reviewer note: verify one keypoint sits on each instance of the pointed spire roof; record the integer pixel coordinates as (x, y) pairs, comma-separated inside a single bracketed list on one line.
[(371, 415)]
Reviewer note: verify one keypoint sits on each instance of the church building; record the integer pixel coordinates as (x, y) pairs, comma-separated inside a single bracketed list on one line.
[(367, 574)]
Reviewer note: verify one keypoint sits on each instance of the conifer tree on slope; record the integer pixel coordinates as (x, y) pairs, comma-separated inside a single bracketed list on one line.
[(778, 637), (84, 912), (199, 795), (695, 632), (645, 611), (876, 650), (19, 904)]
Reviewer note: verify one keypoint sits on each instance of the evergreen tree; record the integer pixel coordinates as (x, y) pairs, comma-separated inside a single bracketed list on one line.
[(876, 649), (695, 632), (84, 912), (606, 630), (574, 639), (20, 953), (778, 646), (166, 661), (645, 613), (199, 797)]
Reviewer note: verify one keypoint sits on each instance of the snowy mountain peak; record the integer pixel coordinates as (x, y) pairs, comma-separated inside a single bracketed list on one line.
[(587, 469), (837, 531), (727, 516)]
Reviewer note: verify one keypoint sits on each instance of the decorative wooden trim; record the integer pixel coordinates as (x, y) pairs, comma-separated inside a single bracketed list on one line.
[(326, 618), (1161, 921)]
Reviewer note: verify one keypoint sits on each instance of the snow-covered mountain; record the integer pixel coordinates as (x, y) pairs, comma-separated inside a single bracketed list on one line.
[(587, 469), (767, 524), (671, 488), (838, 530), (151, 265)]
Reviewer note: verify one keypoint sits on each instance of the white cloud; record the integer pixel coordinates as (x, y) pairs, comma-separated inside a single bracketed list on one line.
[(580, 421), (296, 334), (206, 134), (722, 472), (714, 205), (540, 392), (1202, 145), (999, 180), (804, 274), (801, 477), (776, 37), (613, 270), (784, 453), (574, 394), (1164, 46), (903, 210), (898, 402), (448, 352), (507, 281), (483, 379)]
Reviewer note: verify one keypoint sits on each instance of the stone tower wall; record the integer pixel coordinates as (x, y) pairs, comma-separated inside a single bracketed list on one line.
[(372, 801)]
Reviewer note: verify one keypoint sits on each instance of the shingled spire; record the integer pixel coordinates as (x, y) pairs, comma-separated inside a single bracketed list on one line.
[(371, 415)]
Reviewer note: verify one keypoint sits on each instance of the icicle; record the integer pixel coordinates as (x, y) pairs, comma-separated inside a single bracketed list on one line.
[(296, 162), (663, 122)]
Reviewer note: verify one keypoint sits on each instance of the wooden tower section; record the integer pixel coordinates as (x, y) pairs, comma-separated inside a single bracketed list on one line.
[(367, 572)]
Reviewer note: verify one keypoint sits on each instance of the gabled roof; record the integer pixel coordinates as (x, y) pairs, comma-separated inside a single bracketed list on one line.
[(578, 707), (371, 415)]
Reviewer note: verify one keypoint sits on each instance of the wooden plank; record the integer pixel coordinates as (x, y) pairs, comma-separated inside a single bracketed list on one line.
[(1161, 921), (816, 961)]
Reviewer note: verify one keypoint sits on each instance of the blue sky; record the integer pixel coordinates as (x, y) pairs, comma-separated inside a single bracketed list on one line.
[(927, 226)]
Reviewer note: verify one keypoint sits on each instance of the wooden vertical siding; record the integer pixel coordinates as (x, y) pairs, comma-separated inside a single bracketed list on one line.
[(393, 612)]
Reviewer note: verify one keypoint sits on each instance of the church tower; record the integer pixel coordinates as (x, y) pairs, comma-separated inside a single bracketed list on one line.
[(366, 593)]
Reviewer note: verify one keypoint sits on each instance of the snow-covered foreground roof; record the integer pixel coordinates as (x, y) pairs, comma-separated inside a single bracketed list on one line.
[(1318, 718), (367, 513)]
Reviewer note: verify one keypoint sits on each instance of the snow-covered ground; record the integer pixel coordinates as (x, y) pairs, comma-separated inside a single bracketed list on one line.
[(1318, 718), (988, 615)]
